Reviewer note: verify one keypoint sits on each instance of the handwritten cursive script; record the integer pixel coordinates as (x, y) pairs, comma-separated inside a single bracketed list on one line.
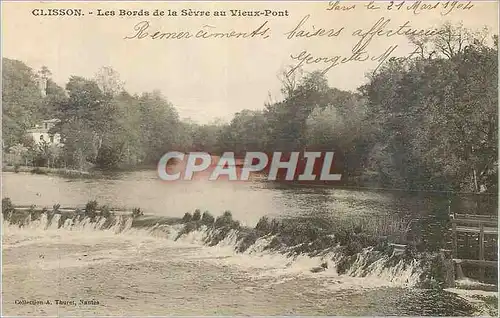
[(142, 30), (381, 29), (299, 31), (305, 57)]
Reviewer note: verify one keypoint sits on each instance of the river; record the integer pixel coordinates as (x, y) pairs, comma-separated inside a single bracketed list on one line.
[(137, 272), (248, 201)]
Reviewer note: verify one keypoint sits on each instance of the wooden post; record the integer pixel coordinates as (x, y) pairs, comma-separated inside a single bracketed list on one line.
[(481, 242), (454, 239), (449, 268), (467, 246), (459, 274), (481, 251)]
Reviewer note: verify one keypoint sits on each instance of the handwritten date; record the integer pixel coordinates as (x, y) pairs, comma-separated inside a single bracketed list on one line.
[(418, 7)]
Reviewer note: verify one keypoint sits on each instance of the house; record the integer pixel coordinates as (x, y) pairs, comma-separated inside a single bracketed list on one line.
[(41, 132)]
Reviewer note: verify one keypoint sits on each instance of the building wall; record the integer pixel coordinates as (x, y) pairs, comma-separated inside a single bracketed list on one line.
[(42, 130), (46, 137)]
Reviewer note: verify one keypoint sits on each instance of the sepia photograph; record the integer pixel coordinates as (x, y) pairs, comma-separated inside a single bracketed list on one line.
[(249, 158)]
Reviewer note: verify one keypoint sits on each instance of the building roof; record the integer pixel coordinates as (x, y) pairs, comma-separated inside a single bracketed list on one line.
[(53, 120), (38, 130)]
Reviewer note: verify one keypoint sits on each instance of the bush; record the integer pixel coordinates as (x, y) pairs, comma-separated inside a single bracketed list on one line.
[(136, 212), (38, 170), (353, 247), (105, 211), (91, 209), (224, 220), (189, 227), (263, 225), (248, 240), (31, 210), (384, 247), (196, 215), (187, 217), (207, 219), (345, 263), (275, 226), (7, 206), (343, 237), (276, 244), (410, 251), (219, 236), (56, 207)]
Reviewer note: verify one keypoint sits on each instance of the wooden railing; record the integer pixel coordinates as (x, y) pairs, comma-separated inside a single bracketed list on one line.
[(473, 224)]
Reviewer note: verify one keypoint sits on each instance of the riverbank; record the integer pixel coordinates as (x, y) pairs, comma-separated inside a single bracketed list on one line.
[(73, 173), (49, 171)]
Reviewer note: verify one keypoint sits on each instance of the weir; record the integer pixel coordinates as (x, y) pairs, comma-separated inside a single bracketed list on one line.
[(289, 244), (396, 261), (40, 209)]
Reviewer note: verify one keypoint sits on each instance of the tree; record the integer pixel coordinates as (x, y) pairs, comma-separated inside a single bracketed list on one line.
[(342, 127), (109, 81), (287, 119), (246, 132), (450, 41), (290, 79), (21, 101), (53, 94), (436, 118), (84, 120), (19, 153), (159, 126)]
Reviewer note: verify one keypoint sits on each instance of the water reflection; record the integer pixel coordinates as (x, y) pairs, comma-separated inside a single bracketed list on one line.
[(425, 213), (248, 201)]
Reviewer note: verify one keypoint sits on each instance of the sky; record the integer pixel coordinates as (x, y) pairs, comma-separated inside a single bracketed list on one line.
[(206, 79)]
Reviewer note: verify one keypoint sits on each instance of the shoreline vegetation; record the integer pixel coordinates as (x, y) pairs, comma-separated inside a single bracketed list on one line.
[(73, 173), (46, 171)]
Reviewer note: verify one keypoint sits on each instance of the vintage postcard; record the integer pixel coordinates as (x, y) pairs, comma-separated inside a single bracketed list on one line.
[(224, 158)]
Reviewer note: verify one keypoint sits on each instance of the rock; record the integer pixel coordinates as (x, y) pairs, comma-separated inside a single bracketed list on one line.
[(317, 269), (321, 268)]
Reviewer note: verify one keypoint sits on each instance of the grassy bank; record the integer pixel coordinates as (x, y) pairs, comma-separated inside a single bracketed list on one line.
[(72, 173), (47, 171)]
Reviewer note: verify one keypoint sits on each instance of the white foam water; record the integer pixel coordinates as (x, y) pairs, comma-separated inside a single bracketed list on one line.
[(85, 244), (369, 268), (261, 262)]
